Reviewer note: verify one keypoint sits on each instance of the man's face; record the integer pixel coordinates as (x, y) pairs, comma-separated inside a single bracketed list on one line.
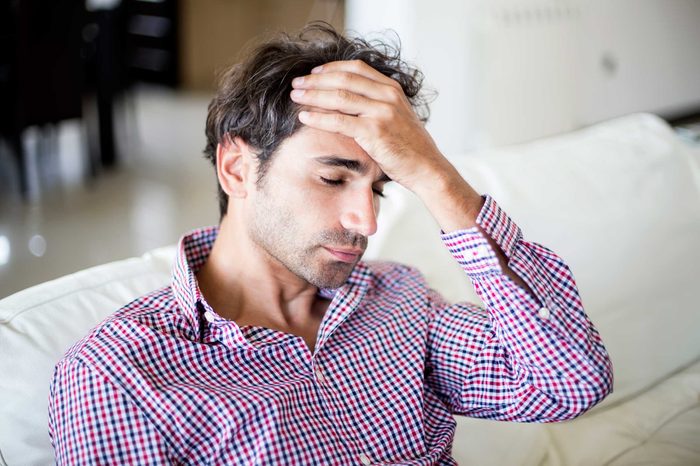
[(316, 205)]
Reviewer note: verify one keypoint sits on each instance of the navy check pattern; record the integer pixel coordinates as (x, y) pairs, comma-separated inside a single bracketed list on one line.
[(165, 380)]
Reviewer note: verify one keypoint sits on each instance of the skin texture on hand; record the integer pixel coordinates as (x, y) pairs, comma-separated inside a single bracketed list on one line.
[(373, 110)]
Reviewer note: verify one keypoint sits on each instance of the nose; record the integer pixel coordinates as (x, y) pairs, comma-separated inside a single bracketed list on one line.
[(360, 213)]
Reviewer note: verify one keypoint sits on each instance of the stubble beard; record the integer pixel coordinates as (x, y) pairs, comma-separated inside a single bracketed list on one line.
[(273, 228)]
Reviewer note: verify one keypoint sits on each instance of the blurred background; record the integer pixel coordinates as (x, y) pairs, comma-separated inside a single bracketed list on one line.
[(103, 103)]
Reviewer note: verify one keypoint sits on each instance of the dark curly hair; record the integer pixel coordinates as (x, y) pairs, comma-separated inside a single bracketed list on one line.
[(253, 103)]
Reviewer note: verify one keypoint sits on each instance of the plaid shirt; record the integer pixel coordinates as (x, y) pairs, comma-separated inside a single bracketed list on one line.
[(167, 380)]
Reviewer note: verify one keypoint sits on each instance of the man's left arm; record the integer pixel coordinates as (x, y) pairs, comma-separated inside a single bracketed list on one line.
[(531, 356)]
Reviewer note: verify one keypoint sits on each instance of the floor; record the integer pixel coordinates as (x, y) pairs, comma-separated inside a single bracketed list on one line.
[(162, 188)]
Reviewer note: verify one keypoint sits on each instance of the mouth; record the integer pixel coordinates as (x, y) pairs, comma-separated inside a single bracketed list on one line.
[(345, 255)]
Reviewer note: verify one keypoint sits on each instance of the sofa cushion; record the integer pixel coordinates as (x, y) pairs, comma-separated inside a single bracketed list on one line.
[(660, 426), (39, 324)]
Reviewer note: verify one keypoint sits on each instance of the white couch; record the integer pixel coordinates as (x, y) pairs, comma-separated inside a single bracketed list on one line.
[(620, 202)]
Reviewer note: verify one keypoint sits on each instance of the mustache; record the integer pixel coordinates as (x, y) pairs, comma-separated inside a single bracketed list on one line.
[(343, 238)]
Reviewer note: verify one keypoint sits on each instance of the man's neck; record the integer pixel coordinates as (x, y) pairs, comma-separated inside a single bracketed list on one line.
[(243, 283)]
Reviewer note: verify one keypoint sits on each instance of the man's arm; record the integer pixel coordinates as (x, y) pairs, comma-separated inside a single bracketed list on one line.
[(532, 357), (456, 206)]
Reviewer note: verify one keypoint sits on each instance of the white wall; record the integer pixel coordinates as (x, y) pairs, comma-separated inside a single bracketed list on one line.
[(508, 71), (656, 45)]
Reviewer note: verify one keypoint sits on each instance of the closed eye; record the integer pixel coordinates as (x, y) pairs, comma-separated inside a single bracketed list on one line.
[(332, 182), (338, 182)]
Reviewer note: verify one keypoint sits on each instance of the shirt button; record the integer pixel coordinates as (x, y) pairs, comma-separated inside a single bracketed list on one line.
[(543, 313), (364, 459), (209, 316), (319, 376)]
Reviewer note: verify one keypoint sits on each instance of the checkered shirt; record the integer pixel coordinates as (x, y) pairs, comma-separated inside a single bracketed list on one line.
[(165, 380)]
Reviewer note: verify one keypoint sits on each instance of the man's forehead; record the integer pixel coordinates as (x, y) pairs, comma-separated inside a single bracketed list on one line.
[(322, 147)]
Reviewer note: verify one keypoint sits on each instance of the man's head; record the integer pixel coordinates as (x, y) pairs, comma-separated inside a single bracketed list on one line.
[(253, 101), (306, 197)]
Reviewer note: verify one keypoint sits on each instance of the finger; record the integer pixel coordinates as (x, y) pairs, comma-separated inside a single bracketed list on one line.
[(352, 82), (357, 67), (339, 100), (333, 122)]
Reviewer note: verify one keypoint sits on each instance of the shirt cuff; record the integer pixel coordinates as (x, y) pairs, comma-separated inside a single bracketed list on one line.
[(470, 247)]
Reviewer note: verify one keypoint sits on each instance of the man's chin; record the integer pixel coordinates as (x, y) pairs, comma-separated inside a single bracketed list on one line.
[(332, 276)]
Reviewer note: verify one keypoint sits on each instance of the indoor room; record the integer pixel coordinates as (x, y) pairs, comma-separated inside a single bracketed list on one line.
[(566, 132)]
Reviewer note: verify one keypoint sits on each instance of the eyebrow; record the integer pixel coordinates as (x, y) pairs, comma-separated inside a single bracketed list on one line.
[(352, 165)]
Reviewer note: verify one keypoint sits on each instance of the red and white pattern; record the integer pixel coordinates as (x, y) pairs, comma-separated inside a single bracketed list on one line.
[(167, 380)]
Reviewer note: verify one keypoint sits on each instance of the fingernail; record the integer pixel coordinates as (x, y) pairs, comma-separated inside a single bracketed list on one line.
[(296, 93), (303, 115), (318, 69), (298, 81)]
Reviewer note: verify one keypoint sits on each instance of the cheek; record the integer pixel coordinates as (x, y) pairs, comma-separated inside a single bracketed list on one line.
[(312, 207), (317, 199), (320, 212)]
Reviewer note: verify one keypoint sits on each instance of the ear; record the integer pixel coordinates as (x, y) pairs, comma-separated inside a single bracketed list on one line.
[(234, 167)]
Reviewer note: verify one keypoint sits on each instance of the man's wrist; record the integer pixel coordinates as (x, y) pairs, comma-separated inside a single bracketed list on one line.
[(450, 199)]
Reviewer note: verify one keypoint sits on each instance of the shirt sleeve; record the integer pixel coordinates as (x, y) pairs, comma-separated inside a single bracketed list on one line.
[(522, 358), (92, 422)]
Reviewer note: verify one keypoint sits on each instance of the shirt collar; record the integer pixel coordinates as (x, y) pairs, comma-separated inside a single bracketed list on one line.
[(192, 252)]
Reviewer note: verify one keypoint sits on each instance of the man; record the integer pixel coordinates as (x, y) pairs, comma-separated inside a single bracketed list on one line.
[(274, 344)]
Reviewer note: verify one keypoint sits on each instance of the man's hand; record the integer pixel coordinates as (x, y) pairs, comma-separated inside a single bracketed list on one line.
[(359, 102), (373, 110)]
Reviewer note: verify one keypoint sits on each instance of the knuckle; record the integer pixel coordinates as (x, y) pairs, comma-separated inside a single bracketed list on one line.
[(396, 85), (395, 96), (344, 78), (357, 63), (344, 95), (337, 119), (387, 111)]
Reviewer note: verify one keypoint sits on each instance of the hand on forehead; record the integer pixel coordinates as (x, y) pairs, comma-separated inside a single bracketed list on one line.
[(353, 99)]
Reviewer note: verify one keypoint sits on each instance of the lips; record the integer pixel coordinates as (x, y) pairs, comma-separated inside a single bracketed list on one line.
[(345, 255)]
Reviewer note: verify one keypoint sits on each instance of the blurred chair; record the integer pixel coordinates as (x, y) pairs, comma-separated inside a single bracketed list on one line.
[(41, 72)]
